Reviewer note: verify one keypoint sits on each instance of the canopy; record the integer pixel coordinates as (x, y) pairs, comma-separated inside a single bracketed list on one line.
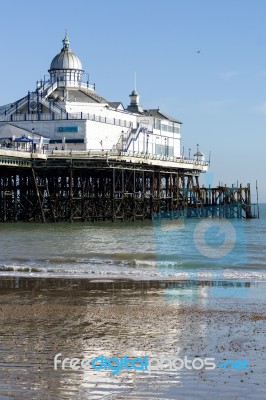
[(23, 139)]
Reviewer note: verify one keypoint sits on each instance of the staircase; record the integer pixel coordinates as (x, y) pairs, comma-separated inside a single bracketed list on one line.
[(126, 139), (40, 96), (52, 106), (15, 106), (47, 88)]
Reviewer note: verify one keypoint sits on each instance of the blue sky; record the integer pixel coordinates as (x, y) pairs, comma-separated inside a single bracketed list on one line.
[(219, 94)]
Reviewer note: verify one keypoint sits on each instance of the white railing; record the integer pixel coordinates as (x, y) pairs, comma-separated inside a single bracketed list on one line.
[(99, 153), (11, 157), (75, 83), (60, 114)]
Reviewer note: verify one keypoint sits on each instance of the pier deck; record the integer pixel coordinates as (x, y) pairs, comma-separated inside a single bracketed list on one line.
[(106, 185)]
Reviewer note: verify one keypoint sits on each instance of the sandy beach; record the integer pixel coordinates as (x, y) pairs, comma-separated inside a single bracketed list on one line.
[(89, 318)]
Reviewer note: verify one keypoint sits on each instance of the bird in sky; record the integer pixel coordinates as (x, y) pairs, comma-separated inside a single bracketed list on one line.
[(198, 51)]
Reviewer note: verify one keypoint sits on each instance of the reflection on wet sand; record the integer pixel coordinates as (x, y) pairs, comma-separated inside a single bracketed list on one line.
[(80, 318)]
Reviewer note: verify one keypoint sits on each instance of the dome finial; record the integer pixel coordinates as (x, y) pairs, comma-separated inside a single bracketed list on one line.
[(66, 42)]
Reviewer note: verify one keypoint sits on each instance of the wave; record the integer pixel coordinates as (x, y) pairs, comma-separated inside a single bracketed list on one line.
[(135, 274)]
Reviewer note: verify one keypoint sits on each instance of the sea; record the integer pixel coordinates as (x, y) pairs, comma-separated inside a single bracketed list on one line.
[(167, 289), (162, 249)]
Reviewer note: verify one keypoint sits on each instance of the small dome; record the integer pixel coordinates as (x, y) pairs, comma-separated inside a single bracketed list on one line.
[(134, 93), (66, 59)]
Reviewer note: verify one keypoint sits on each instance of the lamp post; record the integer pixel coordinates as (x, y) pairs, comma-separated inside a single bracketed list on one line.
[(123, 141), (189, 153), (32, 141), (165, 147), (197, 152), (88, 78), (147, 145)]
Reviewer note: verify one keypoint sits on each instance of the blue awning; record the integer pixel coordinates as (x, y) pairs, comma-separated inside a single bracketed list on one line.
[(23, 139)]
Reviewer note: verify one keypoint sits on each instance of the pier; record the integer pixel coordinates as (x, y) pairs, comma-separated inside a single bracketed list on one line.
[(109, 186), (69, 154)]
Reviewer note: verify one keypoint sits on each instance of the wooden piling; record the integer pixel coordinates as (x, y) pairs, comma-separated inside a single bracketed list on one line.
[(64, 190)]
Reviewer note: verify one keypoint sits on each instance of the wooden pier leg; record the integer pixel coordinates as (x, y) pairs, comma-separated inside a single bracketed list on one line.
[(71, 195), (38, 195)]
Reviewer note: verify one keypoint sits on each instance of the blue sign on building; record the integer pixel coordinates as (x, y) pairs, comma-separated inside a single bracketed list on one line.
[(67, 129)]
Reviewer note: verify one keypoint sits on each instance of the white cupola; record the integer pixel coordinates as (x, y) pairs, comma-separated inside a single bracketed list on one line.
[(66, 68)]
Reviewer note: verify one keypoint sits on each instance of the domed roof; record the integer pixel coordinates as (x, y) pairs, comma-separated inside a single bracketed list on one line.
[(66, 59), (134, 93)]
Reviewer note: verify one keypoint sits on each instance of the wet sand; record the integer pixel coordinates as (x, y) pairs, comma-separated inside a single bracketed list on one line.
[(84, 318)]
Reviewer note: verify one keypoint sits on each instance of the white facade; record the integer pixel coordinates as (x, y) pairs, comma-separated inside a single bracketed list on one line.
[(70, 113)]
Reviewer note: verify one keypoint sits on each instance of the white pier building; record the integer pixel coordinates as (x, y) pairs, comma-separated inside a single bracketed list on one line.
[(65, 113)]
